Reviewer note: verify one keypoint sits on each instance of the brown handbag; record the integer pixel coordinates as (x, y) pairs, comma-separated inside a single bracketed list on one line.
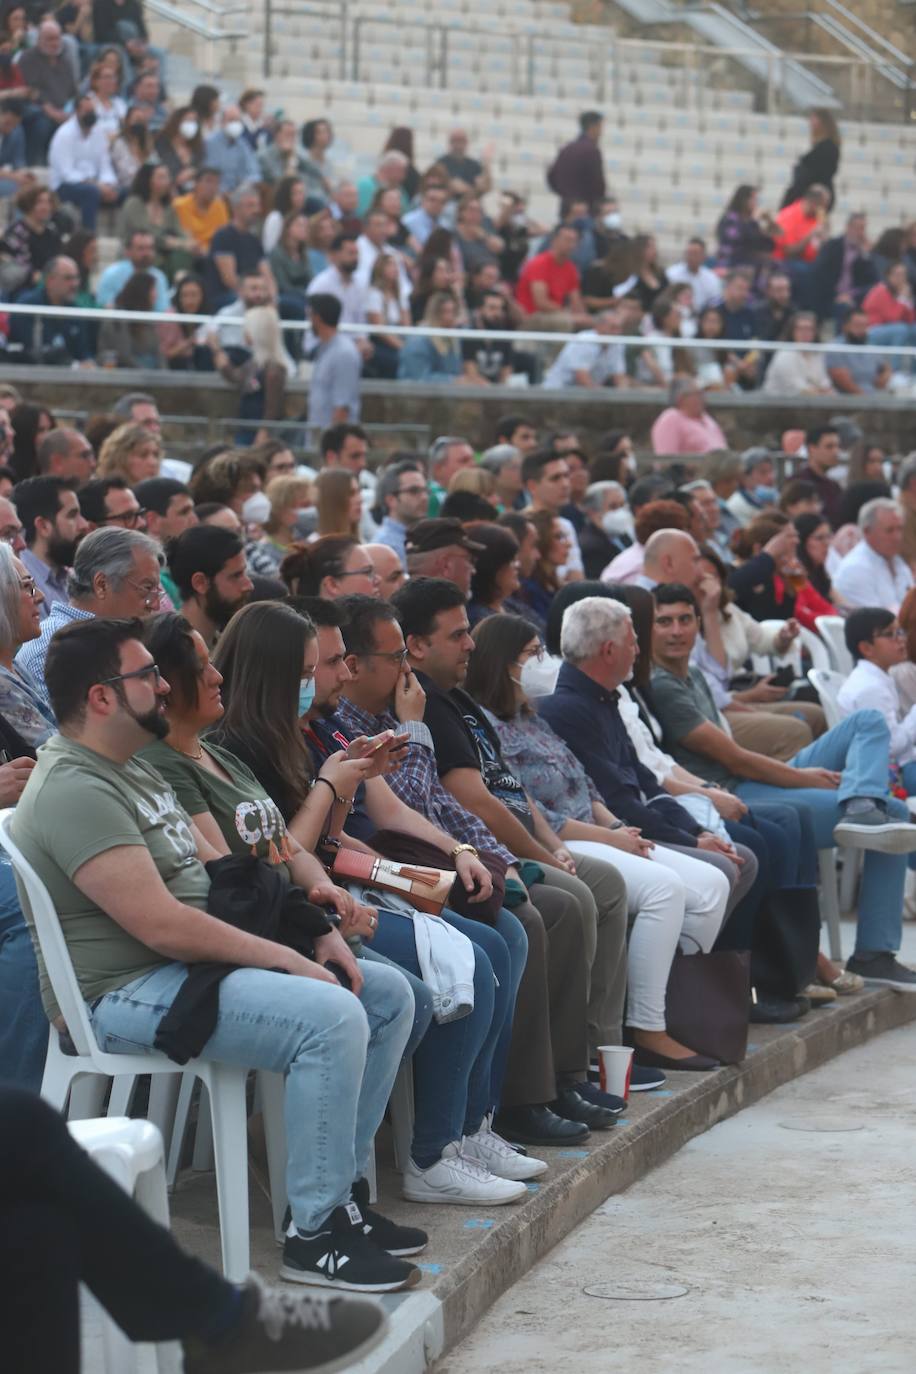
[(395, 844), (708, 1002), (426, 889)]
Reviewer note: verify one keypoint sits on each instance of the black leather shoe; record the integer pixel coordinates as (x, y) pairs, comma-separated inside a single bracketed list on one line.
[(538, 1126), (771, 1011), (575, 1108), (693, 1063)]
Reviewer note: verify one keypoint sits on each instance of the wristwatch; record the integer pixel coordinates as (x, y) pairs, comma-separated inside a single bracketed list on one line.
[(463, 849)]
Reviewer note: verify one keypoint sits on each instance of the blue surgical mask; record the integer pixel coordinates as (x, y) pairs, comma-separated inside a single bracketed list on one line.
[(306, 695), (767, 496)]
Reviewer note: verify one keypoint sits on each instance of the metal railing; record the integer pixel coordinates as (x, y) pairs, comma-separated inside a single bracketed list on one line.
[(214, 33), (333, 15)]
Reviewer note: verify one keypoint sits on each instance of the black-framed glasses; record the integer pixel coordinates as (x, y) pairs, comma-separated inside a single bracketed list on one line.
[(413, 491), (151, 670), (890, 633), (368, 571), (129, 518), (398, 656)]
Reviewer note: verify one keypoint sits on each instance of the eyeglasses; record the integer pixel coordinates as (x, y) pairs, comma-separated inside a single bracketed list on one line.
[(151, 595), (151, 670), (28, 584), (412, 491), (10, 533), (368, 571), (129, 518), (897, 633), (399, 656), (537, 653)]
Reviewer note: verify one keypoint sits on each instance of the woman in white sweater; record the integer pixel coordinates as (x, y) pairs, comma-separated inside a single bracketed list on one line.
[(794, 373)]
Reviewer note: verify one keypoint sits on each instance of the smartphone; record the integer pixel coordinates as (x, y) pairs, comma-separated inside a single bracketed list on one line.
[(377, 742), (784, 676)]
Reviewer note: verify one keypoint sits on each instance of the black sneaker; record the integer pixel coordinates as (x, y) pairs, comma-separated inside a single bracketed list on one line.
[(883, 970), (642, 1080), (280, 1331), (339, 1255), (387, 1234), (592, 1093)]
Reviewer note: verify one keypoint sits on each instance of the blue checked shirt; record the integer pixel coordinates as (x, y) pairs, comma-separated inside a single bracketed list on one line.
[(33, 653), (417, 783)]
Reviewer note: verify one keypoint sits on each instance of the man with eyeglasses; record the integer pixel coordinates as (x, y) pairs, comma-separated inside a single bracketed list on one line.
[(53, 525), (66, 453), (53, 339), (403, 496), (207, 565), (388, 569), (110, 501), (115, 574)]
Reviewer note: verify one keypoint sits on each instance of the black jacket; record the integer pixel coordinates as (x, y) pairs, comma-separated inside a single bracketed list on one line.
[(252, 895), (825, 275), (818, 166)]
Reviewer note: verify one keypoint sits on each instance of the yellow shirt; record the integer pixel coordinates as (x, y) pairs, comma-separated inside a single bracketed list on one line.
[(200, 225)]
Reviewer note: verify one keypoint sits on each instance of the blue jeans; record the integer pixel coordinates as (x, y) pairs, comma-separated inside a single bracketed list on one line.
[(859, 749), (902, 335), (453, 1063), (85, 195), (23, 1024), (339, 1053)]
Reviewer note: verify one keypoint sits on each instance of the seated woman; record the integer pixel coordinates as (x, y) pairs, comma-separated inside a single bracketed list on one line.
[(384, 306), (495, 580), (335, 565), (428, 358), (538, 590), (270, 661), (814, 539), (123, 344), (793, 371), (149, 209), (668, 893), (130, 452), (184, 347), (26, 722), (286, 495), (759, 716)]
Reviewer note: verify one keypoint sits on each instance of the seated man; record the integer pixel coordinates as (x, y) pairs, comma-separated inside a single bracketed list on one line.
[(841, 778), (52, 339), (80, 165), (876, 642), (874, 573), (109, 829), (139, 255)]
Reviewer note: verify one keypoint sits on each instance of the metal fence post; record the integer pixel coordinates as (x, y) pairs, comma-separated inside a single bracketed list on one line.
[(268, 34)]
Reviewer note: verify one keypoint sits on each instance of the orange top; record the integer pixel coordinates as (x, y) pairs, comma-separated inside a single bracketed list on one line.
[(795, 224)]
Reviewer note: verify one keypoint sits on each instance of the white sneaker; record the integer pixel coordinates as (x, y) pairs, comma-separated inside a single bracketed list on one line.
[(459, 1180), (495, 1154)]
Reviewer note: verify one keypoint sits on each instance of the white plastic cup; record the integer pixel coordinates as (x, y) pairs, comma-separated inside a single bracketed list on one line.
[(616, 1063)]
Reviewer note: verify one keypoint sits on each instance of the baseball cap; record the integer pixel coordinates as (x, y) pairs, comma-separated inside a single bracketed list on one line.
[(428, 535)]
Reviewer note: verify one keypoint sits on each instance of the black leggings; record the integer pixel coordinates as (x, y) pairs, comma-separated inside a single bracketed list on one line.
[(63, 1221)]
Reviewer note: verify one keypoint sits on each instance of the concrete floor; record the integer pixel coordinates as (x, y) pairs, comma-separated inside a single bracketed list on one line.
[(784, 1239)]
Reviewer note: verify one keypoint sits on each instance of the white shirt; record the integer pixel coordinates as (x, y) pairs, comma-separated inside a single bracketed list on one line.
[(368, 253), (350, 292), (74, 156), (707, 286), (864, 578), (869, 687), (593, 353)]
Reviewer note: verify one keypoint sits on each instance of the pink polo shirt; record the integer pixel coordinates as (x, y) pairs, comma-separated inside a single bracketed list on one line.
[(674, 432)]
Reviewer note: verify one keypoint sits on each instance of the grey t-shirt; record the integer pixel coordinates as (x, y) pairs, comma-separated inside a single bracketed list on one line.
[(76, 805), (335, 381), (862, 366), (681, 705)]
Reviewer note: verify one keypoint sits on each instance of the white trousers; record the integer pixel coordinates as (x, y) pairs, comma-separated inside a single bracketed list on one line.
[(669, 897)]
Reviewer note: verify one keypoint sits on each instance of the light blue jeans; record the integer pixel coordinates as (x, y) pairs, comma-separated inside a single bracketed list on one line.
[(859, 748), (340, 1055), (23, 1024)]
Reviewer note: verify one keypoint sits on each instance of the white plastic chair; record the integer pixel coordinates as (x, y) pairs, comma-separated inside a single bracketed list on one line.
[(827, 684), (816, 648), (831, 630), (132, 1153), (225, 1083)]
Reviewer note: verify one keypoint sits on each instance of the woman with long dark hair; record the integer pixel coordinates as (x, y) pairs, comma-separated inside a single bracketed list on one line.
[(180, 147), (122, 344), (400, 140), (148, 209), (818, 166), (745, 234), (538, 590), (30, 424)]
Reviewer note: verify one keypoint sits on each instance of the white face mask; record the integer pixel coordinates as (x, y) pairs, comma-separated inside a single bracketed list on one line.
[(188, 128), (532, 678), (613, 220), (619, 521), (256, 509), (235, 128)]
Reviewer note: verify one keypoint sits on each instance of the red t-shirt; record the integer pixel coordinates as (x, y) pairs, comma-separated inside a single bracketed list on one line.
[(795, 224), (561, 278)]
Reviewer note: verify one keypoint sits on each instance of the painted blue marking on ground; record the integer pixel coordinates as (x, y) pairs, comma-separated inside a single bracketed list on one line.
[(430, 1268), (475, 1225), (573, 1154), (532, 1187)]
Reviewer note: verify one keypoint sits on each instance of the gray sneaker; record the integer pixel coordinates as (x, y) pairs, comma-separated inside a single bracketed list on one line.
[(883, 970), (281, 1331), (865, 824)]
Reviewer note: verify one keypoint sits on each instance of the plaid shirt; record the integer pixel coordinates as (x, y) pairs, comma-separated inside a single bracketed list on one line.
[(417, 783)]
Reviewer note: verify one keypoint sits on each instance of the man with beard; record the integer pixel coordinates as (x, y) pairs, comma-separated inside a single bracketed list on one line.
[(50, 513), (115, 574), (207, 565), (341, 281)]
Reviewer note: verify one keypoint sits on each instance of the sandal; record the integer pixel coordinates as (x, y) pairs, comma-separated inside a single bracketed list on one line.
[(844, 983), (818, 994)]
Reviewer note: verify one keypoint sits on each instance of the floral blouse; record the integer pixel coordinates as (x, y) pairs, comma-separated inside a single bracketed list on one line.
[(547, 769)]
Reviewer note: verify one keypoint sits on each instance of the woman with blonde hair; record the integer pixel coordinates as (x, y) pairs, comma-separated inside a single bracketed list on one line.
[(130, 452), (478, 480), (287, 495), (339, 502), (430, 357), (385, 306)]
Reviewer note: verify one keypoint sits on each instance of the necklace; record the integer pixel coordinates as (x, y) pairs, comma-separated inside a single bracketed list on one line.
[(196, 757)]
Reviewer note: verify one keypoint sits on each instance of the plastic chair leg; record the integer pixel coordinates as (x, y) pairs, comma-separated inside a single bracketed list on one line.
[(400, 1106), (830, 902), (55, 1082), (849, 878), (179, 1126), (230, 1144), (87, 1096), (163, 1101), (272, 1088)]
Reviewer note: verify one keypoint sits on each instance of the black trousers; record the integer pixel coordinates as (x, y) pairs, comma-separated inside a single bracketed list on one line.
[(63, 1222)]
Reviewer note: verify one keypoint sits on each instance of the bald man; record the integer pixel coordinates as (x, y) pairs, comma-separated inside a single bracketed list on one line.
[(670, 556), (388, 567)]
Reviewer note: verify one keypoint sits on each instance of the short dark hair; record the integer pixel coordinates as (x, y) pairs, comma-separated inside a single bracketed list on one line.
[(205, 549), (341, 237), (647, 489), (80, 655), (92, 496), (863, 624), (363, 613), (421, 600), (517, 522), (819, 432), (168, 636), (500, 547), (321, 611), (465, 506), (326, 307), (507, 426), (534, 463), (156, 492), (332, 438), (670, 593), (589, 118), (38, 496), (797, 490)]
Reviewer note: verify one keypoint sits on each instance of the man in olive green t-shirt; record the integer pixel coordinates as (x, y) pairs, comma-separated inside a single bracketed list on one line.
[(124, 866)]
